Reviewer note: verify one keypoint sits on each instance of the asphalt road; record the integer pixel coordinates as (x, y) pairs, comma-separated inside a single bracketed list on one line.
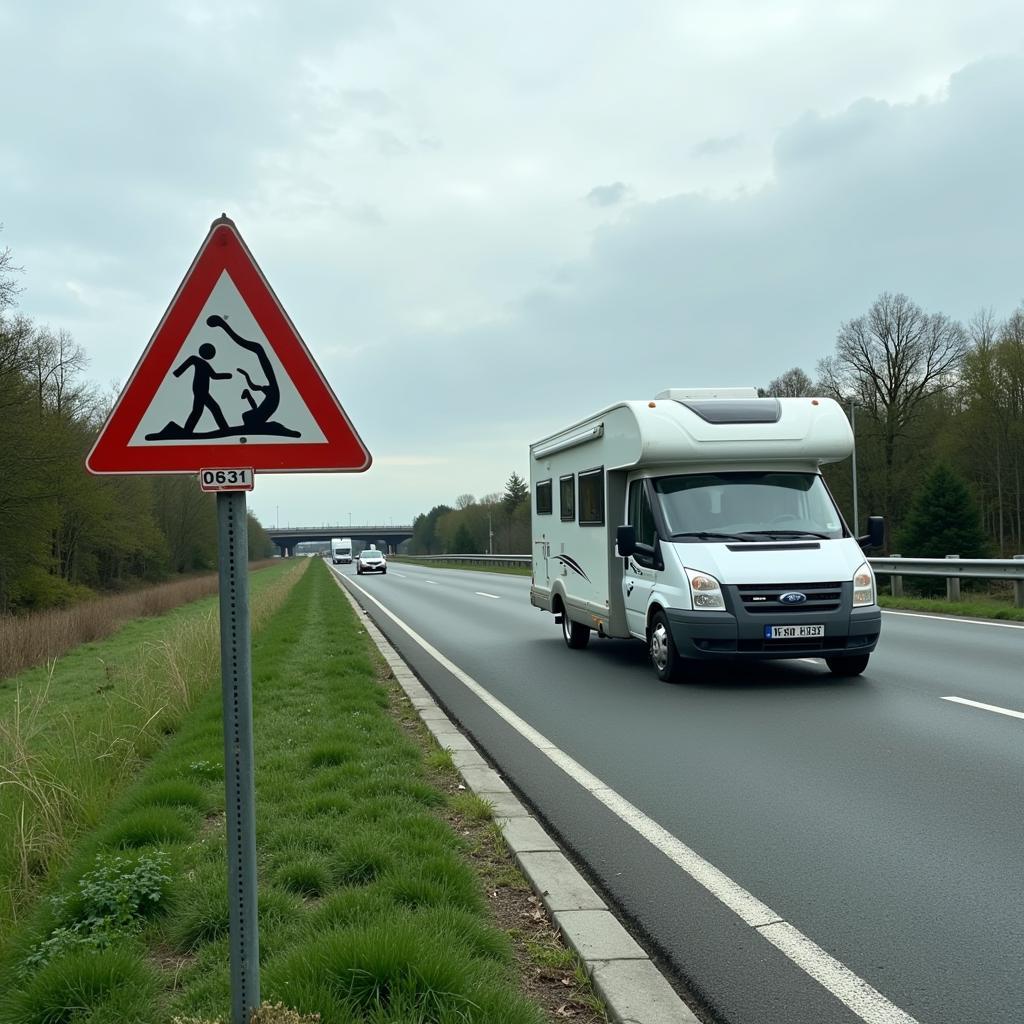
[(879, 819)]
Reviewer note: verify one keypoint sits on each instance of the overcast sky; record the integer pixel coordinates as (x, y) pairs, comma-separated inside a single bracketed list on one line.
[(488, 220)]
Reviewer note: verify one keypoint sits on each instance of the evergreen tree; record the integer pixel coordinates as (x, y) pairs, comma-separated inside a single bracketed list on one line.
[(943, 520), (516, 492), (464, 543)]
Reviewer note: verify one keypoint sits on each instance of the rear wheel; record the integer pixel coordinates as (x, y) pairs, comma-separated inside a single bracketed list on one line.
[(847, 665), (575, 634), (668, 666)]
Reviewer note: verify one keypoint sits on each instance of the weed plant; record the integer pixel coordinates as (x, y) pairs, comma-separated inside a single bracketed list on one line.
[(369, 910), (75, 734)]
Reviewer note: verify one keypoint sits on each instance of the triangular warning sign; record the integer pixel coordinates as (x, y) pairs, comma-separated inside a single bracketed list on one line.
[(226, 382)]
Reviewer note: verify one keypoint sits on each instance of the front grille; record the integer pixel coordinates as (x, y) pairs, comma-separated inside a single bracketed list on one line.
[(763, 598)]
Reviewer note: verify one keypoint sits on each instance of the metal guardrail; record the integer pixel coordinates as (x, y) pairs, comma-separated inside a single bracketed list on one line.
[(519, 561), (952, 569)]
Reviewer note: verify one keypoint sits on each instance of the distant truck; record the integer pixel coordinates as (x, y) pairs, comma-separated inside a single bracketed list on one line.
[(341, 551), (699, 522)]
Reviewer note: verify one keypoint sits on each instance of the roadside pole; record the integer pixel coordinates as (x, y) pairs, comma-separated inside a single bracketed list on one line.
[(236, 686)]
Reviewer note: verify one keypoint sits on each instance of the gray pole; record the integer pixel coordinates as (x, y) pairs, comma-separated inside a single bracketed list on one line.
[(853, 427), (236, 684)]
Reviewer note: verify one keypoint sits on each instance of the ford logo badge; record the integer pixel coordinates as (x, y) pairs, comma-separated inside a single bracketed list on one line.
[(793, 597)]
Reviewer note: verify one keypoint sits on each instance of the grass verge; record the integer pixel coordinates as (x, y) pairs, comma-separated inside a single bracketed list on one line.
[(972, 609), (508, 570), (74, 734), (378, 875)]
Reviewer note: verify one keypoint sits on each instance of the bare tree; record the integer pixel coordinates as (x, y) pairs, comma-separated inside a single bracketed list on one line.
[(890, 361), (464, 501), (793, 383), (8, 286), (56, 364)]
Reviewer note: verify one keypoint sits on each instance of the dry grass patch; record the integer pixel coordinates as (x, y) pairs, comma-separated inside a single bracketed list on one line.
[(41, 637)]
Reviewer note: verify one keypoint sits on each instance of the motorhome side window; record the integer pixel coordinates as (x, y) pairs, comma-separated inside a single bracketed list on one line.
[(640, 516), (591, 490), (567, 497), (544, 498)]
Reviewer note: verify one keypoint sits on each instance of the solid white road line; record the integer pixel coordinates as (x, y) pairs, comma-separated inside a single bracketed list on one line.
[(866, 1002), (986, 707), (480, 593), (954, 618)]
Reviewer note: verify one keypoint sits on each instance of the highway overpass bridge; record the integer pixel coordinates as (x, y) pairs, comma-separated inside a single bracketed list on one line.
[(386, 537)]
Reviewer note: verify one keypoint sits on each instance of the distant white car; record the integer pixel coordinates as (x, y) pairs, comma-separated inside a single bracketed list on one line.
[(371, 560)]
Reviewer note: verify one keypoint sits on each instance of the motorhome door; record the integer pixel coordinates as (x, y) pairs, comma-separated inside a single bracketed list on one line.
[(541, 552), (641, 570)]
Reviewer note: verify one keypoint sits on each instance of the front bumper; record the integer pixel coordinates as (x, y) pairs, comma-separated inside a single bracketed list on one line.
[(848, 631)]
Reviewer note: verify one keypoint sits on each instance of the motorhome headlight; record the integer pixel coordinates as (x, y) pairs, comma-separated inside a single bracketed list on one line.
[(705, 591), (863, 585)]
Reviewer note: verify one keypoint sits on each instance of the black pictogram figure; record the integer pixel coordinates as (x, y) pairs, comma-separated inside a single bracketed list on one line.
[(255, 420), (202, 375)]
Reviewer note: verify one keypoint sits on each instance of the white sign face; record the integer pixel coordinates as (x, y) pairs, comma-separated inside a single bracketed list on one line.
[(223, 381)]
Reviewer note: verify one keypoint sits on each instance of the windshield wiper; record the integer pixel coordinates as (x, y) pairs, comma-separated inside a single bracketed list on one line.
[(709, 535), (791, 533)]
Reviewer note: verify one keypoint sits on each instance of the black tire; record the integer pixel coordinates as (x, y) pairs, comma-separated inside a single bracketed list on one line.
[(383, 572), (847, 665), (575, 634), (661, 649), (359, 572)]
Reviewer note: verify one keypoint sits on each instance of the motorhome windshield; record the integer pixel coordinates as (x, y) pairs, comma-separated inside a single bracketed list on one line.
[(747, 506)]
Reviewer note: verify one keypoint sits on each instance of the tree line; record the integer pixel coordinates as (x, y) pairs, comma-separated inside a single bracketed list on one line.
[(938, 414), (497, 523), (938, 409), (67, 534)]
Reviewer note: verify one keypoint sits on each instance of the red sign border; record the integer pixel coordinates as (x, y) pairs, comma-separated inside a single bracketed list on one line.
[(224, 249)]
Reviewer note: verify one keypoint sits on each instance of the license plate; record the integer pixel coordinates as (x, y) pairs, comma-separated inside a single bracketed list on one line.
[(792, 632)]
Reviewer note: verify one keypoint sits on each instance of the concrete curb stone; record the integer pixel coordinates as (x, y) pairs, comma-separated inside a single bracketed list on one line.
[(633, 989)]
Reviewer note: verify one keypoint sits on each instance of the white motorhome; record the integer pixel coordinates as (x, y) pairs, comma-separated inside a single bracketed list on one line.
[(341, 550), (700, 523)]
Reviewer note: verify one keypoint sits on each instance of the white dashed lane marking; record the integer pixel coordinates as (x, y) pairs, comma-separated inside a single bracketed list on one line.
[(986, 707)]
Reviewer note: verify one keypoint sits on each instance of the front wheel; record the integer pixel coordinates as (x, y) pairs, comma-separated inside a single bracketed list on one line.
[(575, 634), (847, 665), (668, 666)]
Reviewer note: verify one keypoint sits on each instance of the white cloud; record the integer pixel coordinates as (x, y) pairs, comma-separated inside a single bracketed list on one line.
[(410, 175)]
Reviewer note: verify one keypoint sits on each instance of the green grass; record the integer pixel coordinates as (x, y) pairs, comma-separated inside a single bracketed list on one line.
[(75, 734), (369, 908), (508, 570), (974, 608)]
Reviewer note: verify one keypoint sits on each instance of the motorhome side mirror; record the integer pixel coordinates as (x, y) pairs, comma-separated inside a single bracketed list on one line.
[(625, 541), (876, 533)]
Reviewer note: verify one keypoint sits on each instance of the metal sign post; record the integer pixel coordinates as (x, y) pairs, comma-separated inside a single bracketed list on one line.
[(173, 416), (236, 683)]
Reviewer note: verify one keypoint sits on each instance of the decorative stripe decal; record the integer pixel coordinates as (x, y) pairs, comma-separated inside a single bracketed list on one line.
[(572, 564)]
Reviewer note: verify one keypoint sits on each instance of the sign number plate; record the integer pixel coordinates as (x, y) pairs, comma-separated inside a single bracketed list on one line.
[(792, 632), (226, 479)]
